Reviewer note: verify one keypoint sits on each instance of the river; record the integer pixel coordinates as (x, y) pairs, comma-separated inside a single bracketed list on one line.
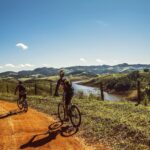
[(95, 91)]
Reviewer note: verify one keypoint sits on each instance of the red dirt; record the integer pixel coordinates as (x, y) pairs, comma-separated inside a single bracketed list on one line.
[(34, 130)]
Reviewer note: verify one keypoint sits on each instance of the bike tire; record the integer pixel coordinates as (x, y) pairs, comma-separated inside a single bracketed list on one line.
[(61, 112), (25, 106), (19, 104), (73, 116)]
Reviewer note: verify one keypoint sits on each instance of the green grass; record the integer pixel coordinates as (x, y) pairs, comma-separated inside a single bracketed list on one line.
[(120, 124)]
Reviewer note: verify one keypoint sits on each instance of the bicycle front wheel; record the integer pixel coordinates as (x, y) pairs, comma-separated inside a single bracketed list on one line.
[(75, 116), (61, 112)]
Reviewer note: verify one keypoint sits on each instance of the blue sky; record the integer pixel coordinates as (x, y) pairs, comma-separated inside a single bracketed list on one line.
[(59, 33)]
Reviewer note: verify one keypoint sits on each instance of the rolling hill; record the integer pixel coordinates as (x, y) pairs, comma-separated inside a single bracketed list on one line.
[(78, 70)]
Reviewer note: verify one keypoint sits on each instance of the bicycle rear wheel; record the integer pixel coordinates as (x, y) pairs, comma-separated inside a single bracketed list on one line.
[(75, 116), (25, 105), (19, 104), (61, 112)]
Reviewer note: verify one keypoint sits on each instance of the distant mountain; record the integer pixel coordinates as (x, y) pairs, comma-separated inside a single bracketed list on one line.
[(31, 73), (8, 74), (38, 71), (78, 70)]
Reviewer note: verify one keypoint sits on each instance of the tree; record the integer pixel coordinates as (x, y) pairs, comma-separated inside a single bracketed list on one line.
[(134, 75), (122, 85), (146, 70)]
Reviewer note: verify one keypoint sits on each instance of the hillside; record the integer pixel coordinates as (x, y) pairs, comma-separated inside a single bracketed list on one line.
[(78, 70)]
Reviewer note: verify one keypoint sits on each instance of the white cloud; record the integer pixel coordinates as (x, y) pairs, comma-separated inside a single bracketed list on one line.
[(10, 65), (22, 46), (83, 60), (1, 67), (25, 65), (100, 61), (18, 66), (29, 65)]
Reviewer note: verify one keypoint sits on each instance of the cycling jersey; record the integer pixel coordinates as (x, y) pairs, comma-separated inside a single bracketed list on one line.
[(66, 84), (21, 89)]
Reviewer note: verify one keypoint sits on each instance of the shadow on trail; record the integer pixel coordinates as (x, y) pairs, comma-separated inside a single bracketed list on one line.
[(11, 113), (55, 129), (66, 130)]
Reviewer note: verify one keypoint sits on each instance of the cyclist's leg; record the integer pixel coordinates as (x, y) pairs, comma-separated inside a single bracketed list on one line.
[(24, 97), (67, 102), (63, 96), (64, 101), (25, 100), (20, 97), (19, 101)]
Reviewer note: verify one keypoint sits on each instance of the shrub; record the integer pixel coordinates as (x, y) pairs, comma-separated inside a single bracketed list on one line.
[(134, 75), (146, 70), (123, 85)]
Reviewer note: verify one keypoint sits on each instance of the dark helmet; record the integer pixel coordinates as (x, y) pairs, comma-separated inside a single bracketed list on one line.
[(20, 82), (61, 73)]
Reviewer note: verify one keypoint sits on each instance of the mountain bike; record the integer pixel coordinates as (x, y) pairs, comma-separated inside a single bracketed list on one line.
[(73, 113), (22, 104)]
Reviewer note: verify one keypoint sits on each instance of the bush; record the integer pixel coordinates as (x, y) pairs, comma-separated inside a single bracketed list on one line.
[(146, 70), (110, 85), (134, 75), (123, 85)]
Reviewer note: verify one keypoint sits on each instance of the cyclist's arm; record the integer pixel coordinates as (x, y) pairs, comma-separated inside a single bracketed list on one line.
[(16, 90), (24, 89), (57, 87)]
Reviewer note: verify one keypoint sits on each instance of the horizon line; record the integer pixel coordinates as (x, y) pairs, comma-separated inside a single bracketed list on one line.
[(74, 66)]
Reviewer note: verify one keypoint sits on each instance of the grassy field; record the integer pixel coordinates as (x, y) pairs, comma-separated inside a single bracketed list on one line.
[(119, 124)]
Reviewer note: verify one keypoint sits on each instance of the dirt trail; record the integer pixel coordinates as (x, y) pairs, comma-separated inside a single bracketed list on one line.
[(34, 130)]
